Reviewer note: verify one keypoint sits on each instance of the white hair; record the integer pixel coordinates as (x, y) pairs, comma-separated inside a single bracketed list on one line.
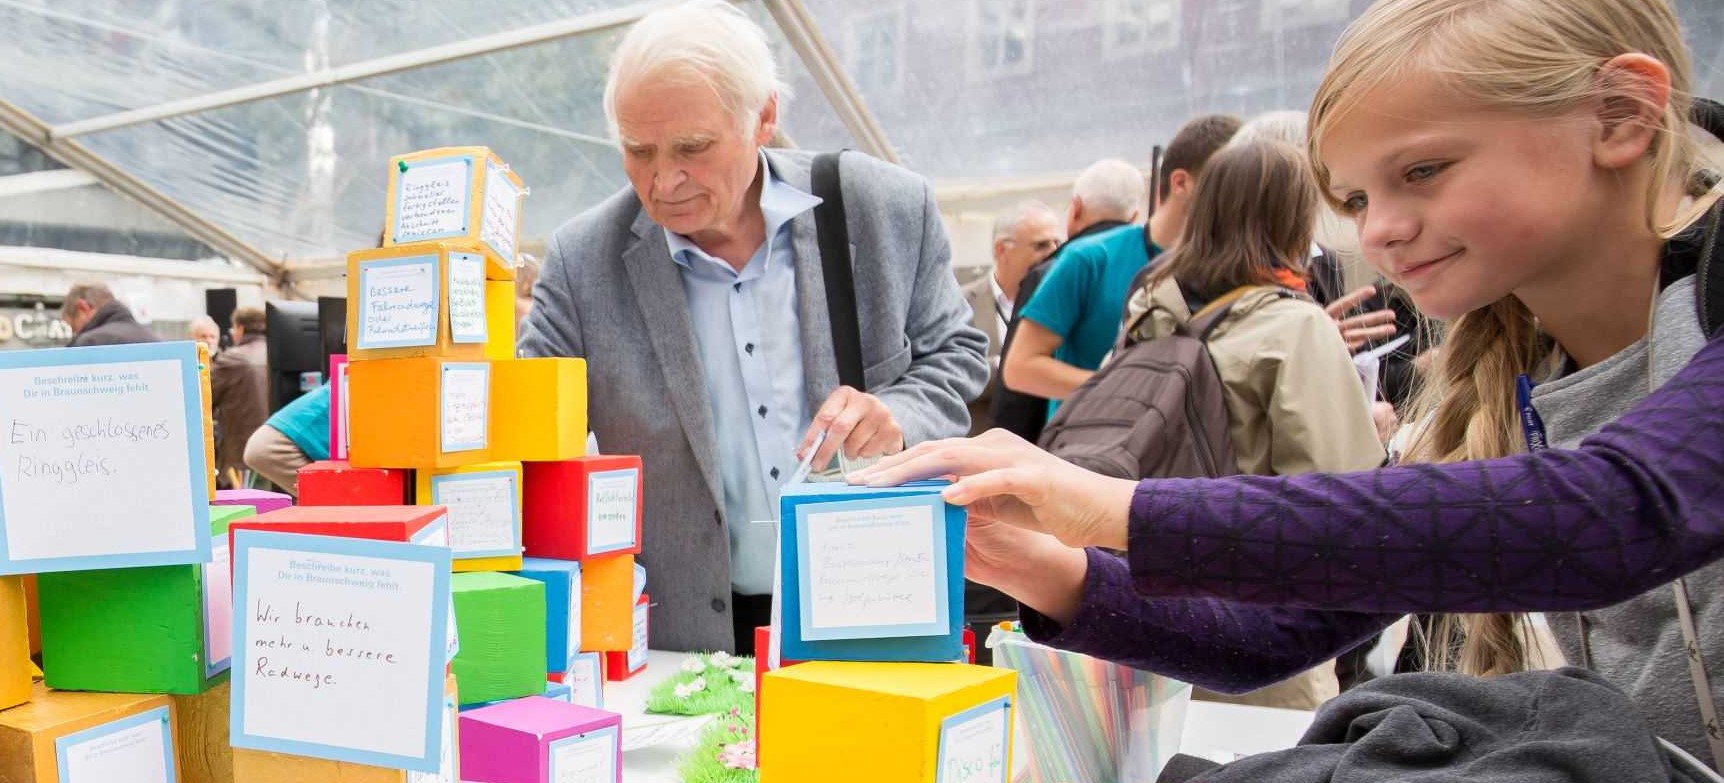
[(1287, 127), (1011, 217), (1111, 187), (711, 42), (204, 320)]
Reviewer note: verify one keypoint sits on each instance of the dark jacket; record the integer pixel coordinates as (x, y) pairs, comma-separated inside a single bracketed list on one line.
[(239, 397), (113, 324), (1564, 726)]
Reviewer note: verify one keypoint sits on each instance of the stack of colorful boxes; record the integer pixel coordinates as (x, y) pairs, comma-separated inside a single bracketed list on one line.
[(434, 410), (872, 609)]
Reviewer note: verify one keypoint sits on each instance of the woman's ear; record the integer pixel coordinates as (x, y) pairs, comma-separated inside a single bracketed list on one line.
[(1634, 92)]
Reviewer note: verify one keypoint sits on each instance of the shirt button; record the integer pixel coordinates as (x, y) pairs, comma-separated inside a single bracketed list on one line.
[(762, 411), (749, 348), (738, 287), (718, 519), (775, 472), (718, 605)]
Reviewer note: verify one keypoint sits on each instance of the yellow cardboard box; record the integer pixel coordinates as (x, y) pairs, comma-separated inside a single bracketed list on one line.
[(545, 419), (909, 720)]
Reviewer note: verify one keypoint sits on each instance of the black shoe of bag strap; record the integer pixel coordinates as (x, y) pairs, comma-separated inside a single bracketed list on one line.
[(837, 271)]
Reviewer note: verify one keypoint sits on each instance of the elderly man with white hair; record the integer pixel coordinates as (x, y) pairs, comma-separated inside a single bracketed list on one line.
[(699, 298), (1025, 234)]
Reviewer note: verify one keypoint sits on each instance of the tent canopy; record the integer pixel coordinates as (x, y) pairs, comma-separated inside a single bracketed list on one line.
[(262, 129)]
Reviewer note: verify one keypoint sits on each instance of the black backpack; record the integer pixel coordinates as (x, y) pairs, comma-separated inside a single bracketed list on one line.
[(1157, 409)]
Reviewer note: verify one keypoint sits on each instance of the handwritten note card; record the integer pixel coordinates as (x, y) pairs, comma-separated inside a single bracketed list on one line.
[(431, 200), (339, 648), (586, 681), (85, 434), (466, 298), (613, 497), (585, 758), (398, 302), (218, 611), (136, 749), (873, 570), (973, 745), (502, 205), (466, 415), (484, 519)]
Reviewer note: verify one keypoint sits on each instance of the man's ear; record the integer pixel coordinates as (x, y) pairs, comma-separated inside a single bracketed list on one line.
[(768, 121), (1634, 93)]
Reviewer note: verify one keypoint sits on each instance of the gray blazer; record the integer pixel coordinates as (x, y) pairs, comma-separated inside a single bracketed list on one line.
[(611, 293)]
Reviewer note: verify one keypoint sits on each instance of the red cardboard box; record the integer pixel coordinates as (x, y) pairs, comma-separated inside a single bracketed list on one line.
[(578, 508), (336, 483)]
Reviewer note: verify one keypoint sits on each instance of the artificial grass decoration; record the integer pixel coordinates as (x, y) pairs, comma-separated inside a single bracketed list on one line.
[(707, 684), (725, 752)]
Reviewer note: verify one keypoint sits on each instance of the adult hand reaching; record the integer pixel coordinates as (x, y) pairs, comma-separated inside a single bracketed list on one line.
[(856, 422), (1001, 477)]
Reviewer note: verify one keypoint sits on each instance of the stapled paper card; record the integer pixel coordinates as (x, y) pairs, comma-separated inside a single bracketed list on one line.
[(85, 434)]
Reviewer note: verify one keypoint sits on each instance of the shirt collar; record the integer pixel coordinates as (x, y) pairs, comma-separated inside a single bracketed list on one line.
[(780, 202)]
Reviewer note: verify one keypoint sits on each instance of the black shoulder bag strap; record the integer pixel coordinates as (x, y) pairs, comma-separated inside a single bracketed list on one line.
[(836, 269)]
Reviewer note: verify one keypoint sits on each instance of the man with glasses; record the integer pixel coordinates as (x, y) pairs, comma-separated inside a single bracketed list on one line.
[(1024, 234)]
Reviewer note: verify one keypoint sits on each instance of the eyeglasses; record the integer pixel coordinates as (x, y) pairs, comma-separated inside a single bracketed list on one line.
[(1040, 245)]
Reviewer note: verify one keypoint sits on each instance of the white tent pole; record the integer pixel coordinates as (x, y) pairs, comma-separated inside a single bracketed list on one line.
[(382, 66), (71, 153), (804, 36)]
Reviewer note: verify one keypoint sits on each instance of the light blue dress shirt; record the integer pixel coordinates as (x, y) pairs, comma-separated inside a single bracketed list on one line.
[(750, 344)]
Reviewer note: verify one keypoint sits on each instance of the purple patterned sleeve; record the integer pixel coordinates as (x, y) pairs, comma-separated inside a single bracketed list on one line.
[(1219, 645), (1637, 505)]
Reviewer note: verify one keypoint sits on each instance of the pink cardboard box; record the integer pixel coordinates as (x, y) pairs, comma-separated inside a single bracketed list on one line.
[(540, 740), (263, 500)]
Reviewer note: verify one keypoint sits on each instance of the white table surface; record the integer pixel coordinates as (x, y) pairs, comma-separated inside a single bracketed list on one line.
[(1221, 732)]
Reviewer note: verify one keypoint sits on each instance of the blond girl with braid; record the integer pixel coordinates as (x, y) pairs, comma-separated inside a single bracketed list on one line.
[(1522, 168)]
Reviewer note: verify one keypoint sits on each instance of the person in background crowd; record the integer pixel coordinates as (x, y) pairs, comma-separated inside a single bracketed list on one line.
[(1294, 401), (1025, 234), (97, 318), (239, 391), (296, 436), (205, 330), (1108, 194), (696, 297), (1072, 321)]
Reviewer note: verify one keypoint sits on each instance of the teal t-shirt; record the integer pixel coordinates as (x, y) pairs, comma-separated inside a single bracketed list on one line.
[(1083, 296), (305, 421)]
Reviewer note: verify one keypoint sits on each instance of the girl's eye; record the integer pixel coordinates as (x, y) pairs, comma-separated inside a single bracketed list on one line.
[(1425, 171), (1353, 205)]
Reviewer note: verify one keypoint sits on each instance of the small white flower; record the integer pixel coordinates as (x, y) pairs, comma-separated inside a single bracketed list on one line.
[(741, 677), (697, 685), (683, 691), (745, 685), (693, 665), (722, 658)]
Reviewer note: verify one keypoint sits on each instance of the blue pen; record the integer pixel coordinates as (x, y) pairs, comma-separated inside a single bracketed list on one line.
[(1531, 425)]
